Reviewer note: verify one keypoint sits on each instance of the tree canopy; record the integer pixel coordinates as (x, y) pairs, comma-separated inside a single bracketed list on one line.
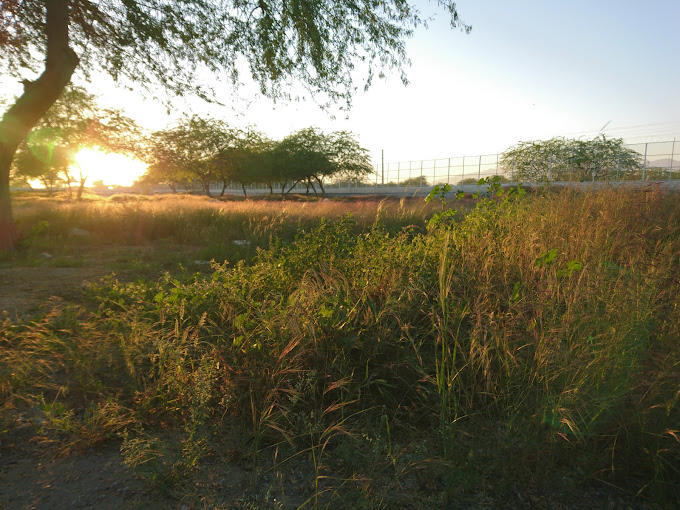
[(73, 122), (309, 155), (194, 148), (209, 151), (565, 159), (170, 43)]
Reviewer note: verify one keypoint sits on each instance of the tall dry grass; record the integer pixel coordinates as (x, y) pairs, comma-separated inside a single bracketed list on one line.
[(529, 337)]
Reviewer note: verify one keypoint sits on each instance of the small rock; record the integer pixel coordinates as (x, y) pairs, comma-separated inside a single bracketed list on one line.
[(78, 232), (46, 255), (241, 242)]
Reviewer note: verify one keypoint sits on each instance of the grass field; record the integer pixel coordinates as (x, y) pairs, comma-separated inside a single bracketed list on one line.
[(521, 353)]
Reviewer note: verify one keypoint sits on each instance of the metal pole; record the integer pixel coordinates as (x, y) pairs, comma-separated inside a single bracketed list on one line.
[(398, 173), (592, 169), (463, 177), (383, 165), (496, 163), (434, 172), (644, 163), (670, 165), (479, 169), (421, 173), (448, 171)]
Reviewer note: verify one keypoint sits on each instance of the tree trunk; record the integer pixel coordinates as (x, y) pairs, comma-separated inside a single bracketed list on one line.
[(224, 188), (70, 190), (60, 63), (310, 183), (81, 188), (8, 233), (292, 186), (243, 186), (206, 188), (323, 190)]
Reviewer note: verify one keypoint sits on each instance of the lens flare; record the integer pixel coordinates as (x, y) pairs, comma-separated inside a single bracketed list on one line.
[(112, 168)]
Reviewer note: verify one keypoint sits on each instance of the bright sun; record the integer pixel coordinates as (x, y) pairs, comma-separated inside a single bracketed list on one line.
[(110, 167)]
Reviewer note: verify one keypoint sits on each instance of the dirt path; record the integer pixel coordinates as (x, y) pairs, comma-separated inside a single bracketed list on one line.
[(32, 478), (26, 289)]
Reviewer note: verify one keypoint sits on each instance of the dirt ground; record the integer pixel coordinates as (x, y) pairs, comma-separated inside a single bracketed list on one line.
[(26, 289)]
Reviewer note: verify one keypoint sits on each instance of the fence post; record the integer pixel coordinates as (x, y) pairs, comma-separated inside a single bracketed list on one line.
[(463, 177), (512, 172), (670, 165), (382, 167), (479, 168), (550, 167), (496, 163), (398, 173), (644, 163), (434, 172), (448, 171), (618, 165), (592, 170), (571, 157), (421, 174)]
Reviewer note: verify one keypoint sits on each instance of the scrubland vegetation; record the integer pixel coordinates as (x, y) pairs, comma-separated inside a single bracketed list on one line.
[(408, 356)]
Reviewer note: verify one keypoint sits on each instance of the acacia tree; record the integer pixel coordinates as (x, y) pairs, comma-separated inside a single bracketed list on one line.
[(310, 156), (567, 159), (161, 171), (350, 160), (191, 148), (39, 159), (241, 159), (73, 122), (301, 156), (166, 43)]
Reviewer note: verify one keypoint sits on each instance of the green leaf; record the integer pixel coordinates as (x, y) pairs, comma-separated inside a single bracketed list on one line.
[(547, 258), (574, 265), (515, 292)]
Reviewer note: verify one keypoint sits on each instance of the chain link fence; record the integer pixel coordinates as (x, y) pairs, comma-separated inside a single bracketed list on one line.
[(658, 161)]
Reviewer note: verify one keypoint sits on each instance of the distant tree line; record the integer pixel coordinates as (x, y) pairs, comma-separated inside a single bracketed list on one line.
[(195, 150), (210, 151)]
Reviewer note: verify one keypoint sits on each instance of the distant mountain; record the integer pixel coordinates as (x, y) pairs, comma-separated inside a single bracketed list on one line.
[(664, 163)]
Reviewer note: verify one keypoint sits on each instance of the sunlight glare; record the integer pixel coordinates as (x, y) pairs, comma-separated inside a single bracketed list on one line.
[(112, 168)]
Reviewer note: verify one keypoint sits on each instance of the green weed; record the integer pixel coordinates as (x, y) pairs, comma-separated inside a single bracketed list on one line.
[(522, 337)]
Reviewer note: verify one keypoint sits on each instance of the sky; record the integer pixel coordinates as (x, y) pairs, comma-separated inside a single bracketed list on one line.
[(529, 70)]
